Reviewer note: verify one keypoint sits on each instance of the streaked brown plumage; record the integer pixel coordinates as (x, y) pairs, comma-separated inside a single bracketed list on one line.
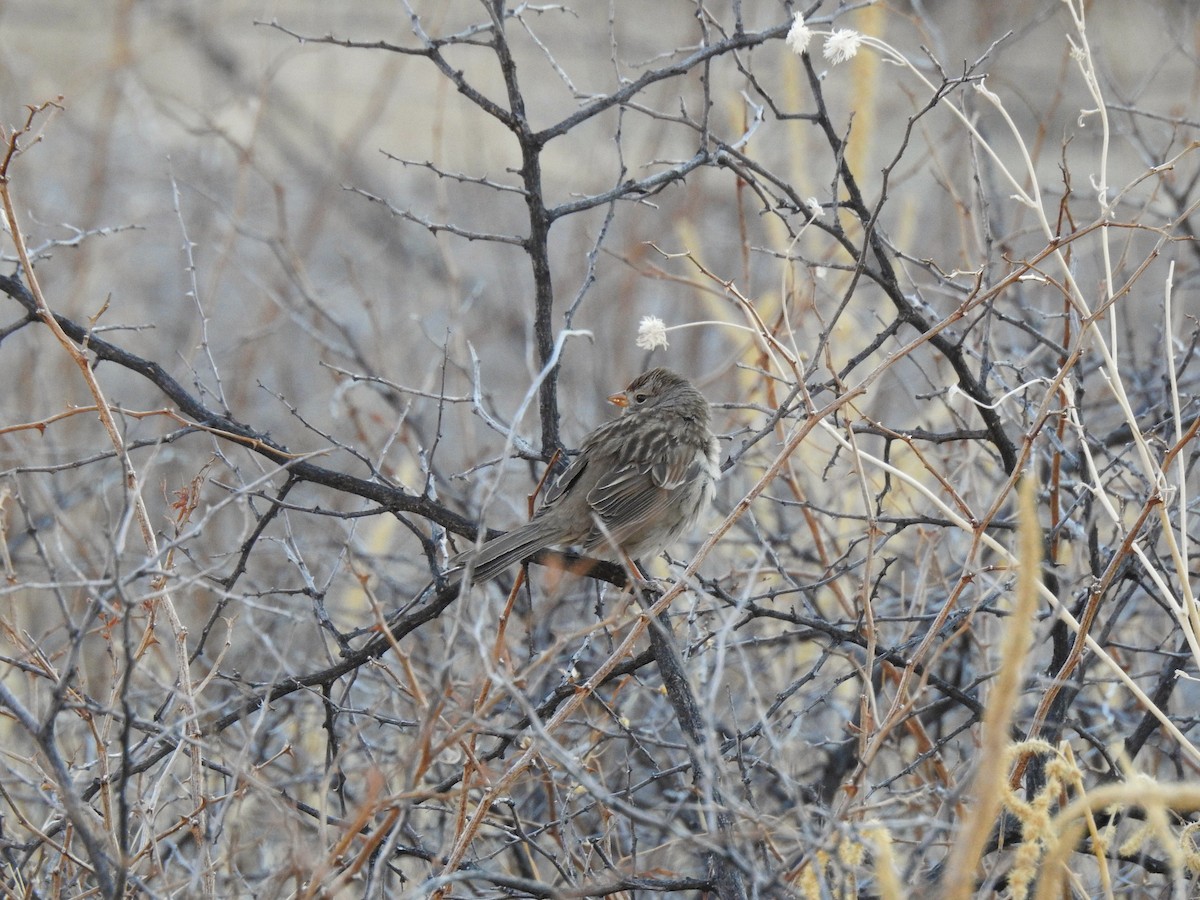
[(636, 485)]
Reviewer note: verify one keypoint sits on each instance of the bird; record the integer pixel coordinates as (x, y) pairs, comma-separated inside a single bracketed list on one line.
[(637, 484)]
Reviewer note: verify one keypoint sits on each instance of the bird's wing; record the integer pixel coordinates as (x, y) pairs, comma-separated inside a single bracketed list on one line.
[(563, 482), (642, 484)]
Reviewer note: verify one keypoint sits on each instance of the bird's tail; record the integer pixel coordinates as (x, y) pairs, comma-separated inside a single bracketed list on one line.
[(499, 553)]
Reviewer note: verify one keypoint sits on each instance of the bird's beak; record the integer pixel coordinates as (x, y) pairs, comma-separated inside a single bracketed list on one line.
[(619, 400)]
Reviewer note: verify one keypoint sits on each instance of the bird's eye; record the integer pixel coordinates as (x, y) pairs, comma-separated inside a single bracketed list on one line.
[(641, 398)]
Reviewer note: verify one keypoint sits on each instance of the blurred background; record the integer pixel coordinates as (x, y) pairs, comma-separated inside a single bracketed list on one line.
[(324, 242)]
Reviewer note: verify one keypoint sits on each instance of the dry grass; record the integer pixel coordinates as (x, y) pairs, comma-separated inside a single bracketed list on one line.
[(938, 635)]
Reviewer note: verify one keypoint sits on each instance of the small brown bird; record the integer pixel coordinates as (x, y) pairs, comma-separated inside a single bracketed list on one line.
[(637, 484)]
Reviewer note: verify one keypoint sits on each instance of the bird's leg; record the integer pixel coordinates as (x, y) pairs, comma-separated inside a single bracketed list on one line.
[(639, 581)]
